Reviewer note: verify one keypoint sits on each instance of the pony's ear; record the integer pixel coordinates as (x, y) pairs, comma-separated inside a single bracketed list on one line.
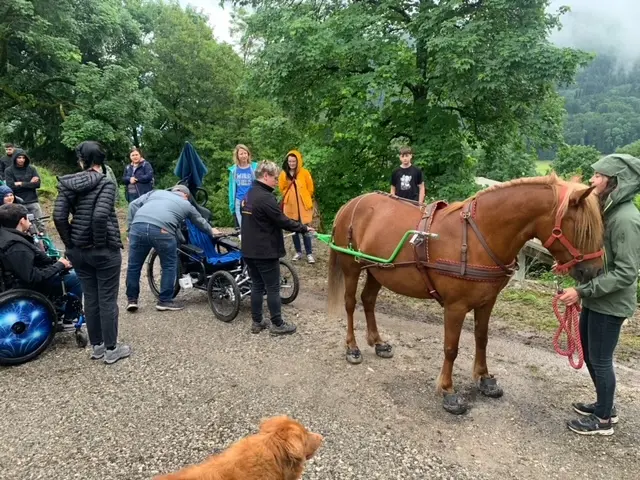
[(578, 196), (576, 179)]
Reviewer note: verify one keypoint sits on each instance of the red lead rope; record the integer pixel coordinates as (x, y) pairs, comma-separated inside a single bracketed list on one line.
[(569, 323)]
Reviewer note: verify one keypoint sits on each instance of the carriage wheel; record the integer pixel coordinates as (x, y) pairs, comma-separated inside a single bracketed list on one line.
[(154, 274), (224, 296), (289, 282), (27, 325)]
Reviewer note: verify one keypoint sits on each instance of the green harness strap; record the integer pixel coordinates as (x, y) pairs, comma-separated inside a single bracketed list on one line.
[(327, 238)]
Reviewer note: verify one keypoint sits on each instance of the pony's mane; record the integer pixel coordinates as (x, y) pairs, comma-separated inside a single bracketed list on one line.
[(589, 227)]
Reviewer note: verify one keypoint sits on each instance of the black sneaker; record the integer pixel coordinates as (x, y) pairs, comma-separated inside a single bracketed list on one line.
[(590, 425), (283, 329), (172, 305), (258, 327), (590, 409), (132, 305)]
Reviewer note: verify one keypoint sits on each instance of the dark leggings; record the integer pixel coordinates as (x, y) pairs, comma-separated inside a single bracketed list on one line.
[(599, 335)]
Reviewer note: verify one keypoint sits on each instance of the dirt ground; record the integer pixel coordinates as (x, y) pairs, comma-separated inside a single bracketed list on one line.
[(194, 385)]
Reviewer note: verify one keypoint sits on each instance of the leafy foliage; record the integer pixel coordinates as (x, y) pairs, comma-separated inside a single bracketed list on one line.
[(604, 107), (445, 76), (576, 160)]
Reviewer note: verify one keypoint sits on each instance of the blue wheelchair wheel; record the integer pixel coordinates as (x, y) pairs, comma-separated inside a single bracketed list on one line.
[(27, 325)]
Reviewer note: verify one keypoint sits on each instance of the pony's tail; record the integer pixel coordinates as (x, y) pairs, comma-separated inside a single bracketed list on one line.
[(335, 293)]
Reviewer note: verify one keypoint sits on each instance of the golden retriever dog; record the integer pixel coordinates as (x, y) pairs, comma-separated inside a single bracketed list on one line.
[(278, 451)]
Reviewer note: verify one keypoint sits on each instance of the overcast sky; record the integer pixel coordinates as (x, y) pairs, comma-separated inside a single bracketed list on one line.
[(592, 24)]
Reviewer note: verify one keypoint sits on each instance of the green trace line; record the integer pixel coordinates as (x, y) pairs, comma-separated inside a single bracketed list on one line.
[(326, 238)]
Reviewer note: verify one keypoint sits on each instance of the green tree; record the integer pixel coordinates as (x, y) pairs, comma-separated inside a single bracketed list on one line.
[(109, 106), (446, 77), (576, 160), (631, 149)]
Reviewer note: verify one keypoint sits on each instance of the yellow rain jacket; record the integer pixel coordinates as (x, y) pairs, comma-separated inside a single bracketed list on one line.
[(297, 191)]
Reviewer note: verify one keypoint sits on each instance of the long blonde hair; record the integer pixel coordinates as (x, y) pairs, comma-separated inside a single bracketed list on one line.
[(239, 147)]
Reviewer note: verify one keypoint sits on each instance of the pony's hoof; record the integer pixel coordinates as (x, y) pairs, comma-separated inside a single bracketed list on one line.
[(489, 387), (384, 350), (454, 403), (354, 357)]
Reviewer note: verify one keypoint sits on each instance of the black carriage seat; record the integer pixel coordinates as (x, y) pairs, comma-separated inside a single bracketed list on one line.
[(192, 250)]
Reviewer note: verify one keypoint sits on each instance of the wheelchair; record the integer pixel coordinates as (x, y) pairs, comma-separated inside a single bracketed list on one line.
[(29, 320), (217, 267)]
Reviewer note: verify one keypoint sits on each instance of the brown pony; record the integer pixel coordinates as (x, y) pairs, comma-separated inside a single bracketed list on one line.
[(463, 269)]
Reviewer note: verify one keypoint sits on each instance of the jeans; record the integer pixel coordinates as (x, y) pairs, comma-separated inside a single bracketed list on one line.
[(143, 237), (99, 272), (238, 214), (71, 284), (307, 243), (599, 334), (265, 274)]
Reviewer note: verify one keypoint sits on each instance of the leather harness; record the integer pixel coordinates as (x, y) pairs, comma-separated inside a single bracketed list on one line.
[(462, 269)]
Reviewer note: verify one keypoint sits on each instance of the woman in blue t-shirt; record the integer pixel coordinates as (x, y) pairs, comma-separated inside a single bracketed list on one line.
[(241, 176)]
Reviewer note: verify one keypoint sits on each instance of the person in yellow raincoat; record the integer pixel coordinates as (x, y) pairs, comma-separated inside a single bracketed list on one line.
[(296, 186)]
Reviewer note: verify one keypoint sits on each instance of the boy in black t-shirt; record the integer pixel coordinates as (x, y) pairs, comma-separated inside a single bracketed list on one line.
[(406, 180)]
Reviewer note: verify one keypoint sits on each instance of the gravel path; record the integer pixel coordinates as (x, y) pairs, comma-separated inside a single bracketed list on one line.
[(195, 384)]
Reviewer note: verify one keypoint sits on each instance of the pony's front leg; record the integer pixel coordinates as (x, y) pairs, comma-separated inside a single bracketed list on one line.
[(487, 384), (453, 320)]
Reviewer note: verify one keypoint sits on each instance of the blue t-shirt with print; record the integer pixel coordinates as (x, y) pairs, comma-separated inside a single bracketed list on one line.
[(244, 178)]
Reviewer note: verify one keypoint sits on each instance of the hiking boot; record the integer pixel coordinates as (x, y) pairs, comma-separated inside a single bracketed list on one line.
[(591, 425), (590, 409), (258, 327), (121, 351), (172, 305), (296, 257), (132, 305), (310, 259), (283, 329), (97, 351)]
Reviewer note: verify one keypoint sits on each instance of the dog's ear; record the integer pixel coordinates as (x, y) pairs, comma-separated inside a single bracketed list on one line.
[(290, 437)]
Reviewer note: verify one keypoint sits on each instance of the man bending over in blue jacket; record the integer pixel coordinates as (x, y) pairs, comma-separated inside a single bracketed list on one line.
[(154, 221)]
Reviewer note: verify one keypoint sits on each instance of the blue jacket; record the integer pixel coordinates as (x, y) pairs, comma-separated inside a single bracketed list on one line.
[(144, 174), (232, 185)]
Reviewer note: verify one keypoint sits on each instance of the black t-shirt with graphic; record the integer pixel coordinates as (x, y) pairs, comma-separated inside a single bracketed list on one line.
[(406, 181)]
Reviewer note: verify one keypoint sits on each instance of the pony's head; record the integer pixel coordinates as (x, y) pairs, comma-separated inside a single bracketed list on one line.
[(574, 233)]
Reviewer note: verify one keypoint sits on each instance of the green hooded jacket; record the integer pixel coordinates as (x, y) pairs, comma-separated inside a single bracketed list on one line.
[(614, 292)]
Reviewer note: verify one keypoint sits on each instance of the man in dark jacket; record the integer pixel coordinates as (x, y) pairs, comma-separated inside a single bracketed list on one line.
[(263, 246), (6, 161), (29, 266), (93, 243), (23, 179)]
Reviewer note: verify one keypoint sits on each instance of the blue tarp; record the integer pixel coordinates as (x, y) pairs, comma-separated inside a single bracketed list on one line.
[(191, 165)]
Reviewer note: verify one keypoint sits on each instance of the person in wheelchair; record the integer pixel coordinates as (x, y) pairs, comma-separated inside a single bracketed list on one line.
[(154, 221), (28, 265)]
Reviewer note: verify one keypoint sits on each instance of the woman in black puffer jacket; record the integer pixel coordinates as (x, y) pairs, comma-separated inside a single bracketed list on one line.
[(93, 244)]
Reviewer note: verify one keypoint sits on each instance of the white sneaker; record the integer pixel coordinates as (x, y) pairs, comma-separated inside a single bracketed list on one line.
[(310, 259), (296, 257)]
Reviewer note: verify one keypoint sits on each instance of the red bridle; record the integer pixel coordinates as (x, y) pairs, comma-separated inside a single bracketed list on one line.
[(556, 234)]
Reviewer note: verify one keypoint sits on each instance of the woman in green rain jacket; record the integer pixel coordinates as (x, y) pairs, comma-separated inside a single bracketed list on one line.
[(610, 298)]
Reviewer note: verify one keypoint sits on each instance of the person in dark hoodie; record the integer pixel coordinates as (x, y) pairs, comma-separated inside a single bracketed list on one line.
[(23, 179), (29, 266), (93, 244), (610, 298), (5, 161)]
